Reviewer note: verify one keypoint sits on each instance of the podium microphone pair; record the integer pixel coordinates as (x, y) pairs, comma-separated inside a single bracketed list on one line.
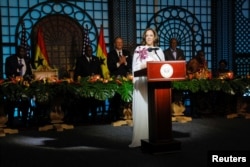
[(154, 49)]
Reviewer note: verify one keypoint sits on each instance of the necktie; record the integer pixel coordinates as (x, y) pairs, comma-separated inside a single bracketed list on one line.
[(20, 67), (119, 54), (90, 59)]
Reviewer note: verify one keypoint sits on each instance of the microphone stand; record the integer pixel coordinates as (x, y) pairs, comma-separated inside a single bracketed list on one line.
[(157, 55)]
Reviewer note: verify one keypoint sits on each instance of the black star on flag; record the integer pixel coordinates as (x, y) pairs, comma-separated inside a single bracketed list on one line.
[(39, 62), (102, 60)]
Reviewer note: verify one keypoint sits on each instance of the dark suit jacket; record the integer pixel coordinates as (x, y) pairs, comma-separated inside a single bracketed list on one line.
[(85, 68), (169, 56), (12, 65), (123, 69)]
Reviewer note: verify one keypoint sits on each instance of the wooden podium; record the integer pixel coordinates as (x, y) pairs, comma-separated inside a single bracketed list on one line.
[(159, 76)]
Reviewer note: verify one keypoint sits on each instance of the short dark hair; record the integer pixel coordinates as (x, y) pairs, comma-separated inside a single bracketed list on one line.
[(170, 41), (223, 61), (87, 47), (200, 53), (20, 47)]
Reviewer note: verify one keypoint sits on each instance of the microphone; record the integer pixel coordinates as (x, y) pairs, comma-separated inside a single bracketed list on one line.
[(151, 49)]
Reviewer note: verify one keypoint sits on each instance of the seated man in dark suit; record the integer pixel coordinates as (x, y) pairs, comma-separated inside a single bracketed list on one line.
[(18, 65), (86, 66)]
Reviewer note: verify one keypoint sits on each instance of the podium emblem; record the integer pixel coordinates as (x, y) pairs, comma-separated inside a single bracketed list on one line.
[(166, 71)]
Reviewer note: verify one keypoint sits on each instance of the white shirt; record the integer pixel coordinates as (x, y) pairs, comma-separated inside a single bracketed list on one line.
[(23, 69)]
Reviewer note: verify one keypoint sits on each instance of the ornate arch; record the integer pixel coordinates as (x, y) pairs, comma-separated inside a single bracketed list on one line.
[(63, 25), (179, 23)]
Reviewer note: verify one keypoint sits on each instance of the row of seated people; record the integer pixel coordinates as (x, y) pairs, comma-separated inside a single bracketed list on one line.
[(119, 64)]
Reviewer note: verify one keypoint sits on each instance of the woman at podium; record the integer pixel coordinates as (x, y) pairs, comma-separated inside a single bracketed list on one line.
[(147, 51)]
